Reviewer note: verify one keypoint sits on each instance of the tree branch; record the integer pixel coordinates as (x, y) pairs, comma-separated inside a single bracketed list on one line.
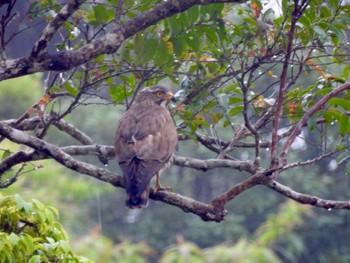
[(74, 132), (307, 199), (58, 155)]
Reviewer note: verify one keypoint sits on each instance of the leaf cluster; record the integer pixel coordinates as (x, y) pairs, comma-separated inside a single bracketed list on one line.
[(31, 233)]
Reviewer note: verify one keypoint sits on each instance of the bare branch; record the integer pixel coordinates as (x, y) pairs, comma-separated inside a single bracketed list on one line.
[(213, 163), (74, 132), (282, 89), (252, 181), (307, 199)]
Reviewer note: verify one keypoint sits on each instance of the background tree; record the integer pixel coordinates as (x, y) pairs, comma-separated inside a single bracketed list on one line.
[(263, 95)]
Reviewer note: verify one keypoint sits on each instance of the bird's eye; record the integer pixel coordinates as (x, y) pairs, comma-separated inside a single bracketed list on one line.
[(159, 94)]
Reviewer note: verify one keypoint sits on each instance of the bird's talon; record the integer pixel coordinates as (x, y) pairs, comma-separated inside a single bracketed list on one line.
[(158, 188)]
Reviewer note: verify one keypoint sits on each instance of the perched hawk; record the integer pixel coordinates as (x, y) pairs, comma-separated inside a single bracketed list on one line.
[(144, 143)]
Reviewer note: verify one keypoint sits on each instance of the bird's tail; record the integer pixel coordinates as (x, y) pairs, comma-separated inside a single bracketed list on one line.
[(137, 200)]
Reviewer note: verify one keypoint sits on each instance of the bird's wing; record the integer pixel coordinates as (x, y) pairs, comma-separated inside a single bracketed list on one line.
[(124, 145), (155, 135)]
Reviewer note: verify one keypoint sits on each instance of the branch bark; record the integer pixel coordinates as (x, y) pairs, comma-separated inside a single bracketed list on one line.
[(307, 199)]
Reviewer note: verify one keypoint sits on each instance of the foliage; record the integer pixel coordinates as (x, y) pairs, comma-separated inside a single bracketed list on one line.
[(15, 107), (278, 228), (101, 249), (30, 233)]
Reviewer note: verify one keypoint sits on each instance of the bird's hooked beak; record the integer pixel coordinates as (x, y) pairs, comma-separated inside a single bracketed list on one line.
[(170, 96)]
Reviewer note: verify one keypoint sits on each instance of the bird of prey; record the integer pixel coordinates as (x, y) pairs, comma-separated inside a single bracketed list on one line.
[(145, 140)]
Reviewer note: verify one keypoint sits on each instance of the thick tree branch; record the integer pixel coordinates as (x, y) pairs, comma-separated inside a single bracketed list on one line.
[(207, 212)]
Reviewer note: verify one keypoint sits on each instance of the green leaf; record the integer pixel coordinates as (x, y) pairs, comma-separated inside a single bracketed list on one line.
[(223, 100), (174, 25), (193, 14), (311, 123), (236, 110), (35, 259), (188, 114), (65, 246), (345, 104), (102, 14), (13, 238), (117, 93), (233, 100), (70, 89), (320, 31), (328, 117), (162, 55), (285, 7), (193, 40), (344, 125), (304, 20), (6, 154), (145, 48), (178, 45), (21, 204)]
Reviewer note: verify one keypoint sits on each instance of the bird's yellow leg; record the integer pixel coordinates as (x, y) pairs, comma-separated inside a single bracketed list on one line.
[(158, 185)]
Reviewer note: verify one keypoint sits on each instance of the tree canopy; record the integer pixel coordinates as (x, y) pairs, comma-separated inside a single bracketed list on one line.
[(264, 91)]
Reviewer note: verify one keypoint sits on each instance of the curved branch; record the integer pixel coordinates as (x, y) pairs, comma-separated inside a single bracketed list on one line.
[(208, 212)]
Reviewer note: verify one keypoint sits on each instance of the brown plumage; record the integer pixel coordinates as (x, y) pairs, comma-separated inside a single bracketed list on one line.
[(144, 143)]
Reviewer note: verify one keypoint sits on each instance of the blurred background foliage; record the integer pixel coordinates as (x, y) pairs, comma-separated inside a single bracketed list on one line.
[(261, 226)]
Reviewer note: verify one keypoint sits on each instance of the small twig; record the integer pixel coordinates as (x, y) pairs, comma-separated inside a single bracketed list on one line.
[(118, 12), (51, 28)]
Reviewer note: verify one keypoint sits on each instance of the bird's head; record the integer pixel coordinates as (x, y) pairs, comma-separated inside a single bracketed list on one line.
[(155, 94)]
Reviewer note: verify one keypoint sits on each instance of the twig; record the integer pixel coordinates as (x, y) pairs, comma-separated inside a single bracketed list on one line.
[(51, 28)]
